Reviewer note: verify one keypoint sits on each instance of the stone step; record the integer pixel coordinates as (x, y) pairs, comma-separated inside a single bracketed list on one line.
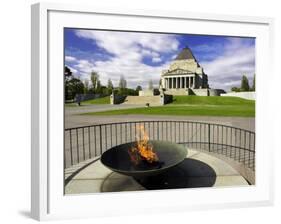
[(152, 100)]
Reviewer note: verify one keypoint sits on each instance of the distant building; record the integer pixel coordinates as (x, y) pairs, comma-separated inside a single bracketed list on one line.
[(184, 73)]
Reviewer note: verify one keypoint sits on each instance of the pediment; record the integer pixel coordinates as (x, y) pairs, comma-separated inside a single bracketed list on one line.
[(178, 71)]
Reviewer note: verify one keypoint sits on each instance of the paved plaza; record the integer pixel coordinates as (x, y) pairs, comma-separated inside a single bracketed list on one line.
[(197, 170), (83, 147)]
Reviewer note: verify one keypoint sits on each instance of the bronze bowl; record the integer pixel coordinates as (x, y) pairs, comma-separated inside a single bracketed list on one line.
[(118, 159)]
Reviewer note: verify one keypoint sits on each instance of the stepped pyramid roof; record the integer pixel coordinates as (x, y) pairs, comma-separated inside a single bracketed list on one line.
[(185, 54)]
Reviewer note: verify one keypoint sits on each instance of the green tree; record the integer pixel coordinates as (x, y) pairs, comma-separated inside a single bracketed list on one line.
[(86, 86), (109, 86), (235, 89), (74, 86), (150, 84), (67, 77), (67, 72), (139, 88), (245, 83), (122, 85), (130, 92), (99, 87), (94, 79), (254, 83), (122, 82)]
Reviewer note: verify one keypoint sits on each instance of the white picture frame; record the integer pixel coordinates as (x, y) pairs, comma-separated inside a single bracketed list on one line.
[(48, 200)]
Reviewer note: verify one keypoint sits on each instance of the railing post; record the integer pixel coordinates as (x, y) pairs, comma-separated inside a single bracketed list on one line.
[(100, 139), (209, 137)]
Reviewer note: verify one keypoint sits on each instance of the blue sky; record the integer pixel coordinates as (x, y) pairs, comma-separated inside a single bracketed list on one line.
[(140, 56)]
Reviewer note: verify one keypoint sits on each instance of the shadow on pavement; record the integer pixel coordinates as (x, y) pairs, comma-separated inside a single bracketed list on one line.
[(188, 174)]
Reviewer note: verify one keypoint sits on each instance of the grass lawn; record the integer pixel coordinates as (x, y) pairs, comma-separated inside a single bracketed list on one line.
[(213, 100), (194, 106), (102, 100)]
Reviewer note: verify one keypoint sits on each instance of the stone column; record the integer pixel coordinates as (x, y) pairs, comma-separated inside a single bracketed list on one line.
[(189, 84), (180, 82), (169, 83), (168, 79)]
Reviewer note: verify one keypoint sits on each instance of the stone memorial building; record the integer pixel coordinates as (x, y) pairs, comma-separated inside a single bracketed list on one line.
[(184, 73), (184, 77)]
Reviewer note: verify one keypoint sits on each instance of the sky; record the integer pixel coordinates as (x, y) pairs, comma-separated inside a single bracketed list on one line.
[(140, 56)]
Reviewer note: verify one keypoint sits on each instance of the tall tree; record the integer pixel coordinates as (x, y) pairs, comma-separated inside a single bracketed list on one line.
[(245, 83), (98, 88), (67, 77), (109, 84), (235, 89), (67, 72), (139, 88), (109, 88), (94, 79), (150, 84), (254, 83), (74, 86), (122, 82), (86, 86)]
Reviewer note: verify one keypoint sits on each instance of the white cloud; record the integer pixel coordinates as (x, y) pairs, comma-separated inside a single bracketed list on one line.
[(134, 73), (120, 43), (149, 53), (70, 58), (237, 59), (129, 50), (207, 48), (156, 59)]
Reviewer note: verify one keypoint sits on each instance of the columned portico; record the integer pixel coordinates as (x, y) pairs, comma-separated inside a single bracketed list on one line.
[(179, 82), (184, 73)]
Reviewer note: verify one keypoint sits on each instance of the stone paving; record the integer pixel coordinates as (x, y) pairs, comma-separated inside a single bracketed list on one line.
[(97, 178), (197, 170)]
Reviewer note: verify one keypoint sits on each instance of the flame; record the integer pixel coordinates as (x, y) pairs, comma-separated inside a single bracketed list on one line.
[(142, 150)]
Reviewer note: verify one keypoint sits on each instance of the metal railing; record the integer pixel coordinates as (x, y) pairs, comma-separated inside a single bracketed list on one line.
[(82, 143)]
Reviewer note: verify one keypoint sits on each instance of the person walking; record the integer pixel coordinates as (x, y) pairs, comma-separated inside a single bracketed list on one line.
[(78, 99)]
